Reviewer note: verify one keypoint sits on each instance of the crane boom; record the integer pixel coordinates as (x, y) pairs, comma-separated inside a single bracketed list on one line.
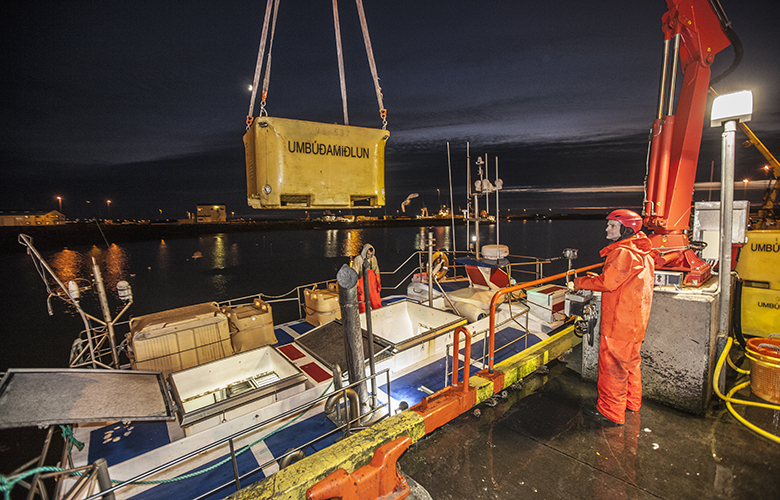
[(694, 31)]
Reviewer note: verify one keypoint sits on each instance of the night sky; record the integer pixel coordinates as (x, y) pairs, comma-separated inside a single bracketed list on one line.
[(144, 103)]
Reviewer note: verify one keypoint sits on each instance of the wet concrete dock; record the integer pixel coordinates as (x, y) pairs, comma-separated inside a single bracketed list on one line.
[(538, 443)]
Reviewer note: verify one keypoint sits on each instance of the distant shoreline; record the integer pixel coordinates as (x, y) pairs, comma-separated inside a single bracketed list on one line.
[(98, 233)]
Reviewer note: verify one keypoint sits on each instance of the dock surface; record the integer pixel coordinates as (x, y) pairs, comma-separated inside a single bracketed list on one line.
[(537, 443)]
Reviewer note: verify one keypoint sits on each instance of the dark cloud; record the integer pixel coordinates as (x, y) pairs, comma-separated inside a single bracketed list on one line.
[(145, 102)]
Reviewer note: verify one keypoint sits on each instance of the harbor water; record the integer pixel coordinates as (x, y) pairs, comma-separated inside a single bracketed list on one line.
[(181, 272)]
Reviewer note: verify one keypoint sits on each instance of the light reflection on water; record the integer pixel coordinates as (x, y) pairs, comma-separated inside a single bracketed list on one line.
[(442, 239), (70, 265), (343, 242), (67, 265), (164, 275)]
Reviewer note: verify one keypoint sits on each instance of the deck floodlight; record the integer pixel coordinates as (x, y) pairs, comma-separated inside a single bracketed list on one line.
[(737, 106)]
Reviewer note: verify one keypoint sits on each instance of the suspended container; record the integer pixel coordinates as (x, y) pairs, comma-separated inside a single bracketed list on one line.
[(299, 164)]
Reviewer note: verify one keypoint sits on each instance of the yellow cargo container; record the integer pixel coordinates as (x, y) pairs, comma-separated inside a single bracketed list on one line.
[(759, 268), (298, 164)]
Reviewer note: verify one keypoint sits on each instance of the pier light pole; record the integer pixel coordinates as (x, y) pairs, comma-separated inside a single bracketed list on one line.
[(727, 111)]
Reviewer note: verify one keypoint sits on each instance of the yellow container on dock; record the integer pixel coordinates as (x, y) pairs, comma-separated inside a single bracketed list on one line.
[(298, 164), (181, 338), (253, 326), (322, 306), (759, 268)]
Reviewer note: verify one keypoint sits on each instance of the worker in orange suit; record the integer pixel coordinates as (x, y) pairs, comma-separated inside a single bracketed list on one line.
[(626, 284), (374, 282)]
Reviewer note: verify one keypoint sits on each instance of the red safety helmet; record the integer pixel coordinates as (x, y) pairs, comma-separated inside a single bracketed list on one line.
[(628, 218)]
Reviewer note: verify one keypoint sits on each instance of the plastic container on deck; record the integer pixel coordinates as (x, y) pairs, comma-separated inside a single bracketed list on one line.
[(322, 306), (764, 355), (254, 325), (177, 339)]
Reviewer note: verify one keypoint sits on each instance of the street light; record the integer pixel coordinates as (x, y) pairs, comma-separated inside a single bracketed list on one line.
[(108, 204), (744, 188), (59, 200)]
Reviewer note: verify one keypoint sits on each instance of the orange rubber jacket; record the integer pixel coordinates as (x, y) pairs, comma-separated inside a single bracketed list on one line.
[(626, 284)]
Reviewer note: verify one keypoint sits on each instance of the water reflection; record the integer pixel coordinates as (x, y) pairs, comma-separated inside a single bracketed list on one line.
[(442, 238), (74, 266), (163, 257), (343, 242), (113, 264), (221, 258), (68, 265)]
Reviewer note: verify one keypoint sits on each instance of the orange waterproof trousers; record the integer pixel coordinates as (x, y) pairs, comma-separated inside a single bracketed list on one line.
[(620, 378), (374, 287)]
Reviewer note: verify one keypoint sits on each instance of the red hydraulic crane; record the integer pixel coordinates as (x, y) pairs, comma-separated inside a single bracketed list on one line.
[(694, 31)]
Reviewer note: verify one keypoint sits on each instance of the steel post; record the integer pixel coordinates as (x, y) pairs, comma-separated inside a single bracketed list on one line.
[(369, 329), (347, 279)]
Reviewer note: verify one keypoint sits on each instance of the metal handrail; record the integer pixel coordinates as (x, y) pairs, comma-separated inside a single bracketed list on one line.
[(239, 434), (456, 356), (516, 288)]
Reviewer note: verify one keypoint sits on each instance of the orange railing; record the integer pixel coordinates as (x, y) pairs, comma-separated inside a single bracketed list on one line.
[(516, 288), (456, 356)]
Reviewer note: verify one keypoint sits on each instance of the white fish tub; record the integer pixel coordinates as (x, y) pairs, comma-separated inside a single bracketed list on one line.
[(412, 332), (227, 388)]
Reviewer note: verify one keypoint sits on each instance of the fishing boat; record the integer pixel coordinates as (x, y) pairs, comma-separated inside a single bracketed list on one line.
[(204, 399)]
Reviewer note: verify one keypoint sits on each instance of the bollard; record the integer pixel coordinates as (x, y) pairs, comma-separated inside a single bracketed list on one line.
[(347, 279)]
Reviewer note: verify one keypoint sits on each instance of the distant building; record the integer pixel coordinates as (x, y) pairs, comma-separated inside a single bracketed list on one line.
[(31, 218), (211, 213)]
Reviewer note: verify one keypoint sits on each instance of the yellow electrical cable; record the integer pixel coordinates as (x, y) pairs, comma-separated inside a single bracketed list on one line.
[(729, 400), (734, 367)]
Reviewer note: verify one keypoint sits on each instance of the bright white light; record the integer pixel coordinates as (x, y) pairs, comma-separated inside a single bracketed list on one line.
[(736, 106)]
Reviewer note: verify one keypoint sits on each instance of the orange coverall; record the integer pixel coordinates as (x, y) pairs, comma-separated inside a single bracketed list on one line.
[(626, 284)]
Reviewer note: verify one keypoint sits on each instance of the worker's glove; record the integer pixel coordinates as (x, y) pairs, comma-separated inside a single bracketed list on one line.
[(570, 286)]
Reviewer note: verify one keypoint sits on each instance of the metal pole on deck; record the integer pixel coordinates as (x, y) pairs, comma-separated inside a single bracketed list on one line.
[(347, 279), (370, 329), (430, 263), (106, 312), (104, 480), (726, 222), (727, 110)]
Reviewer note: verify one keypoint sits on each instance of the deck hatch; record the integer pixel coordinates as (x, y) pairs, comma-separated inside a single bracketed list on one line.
[(52, 396)]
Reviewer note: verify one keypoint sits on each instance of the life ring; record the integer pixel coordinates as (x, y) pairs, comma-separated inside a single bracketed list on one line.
[(439, 265)]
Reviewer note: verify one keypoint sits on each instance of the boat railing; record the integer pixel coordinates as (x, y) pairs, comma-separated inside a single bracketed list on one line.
[(516, 316), (348, 426), (516, 288), (527, 266)]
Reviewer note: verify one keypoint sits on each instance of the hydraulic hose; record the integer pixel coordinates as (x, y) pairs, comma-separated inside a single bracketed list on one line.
[(736, 42), (730, 400)]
